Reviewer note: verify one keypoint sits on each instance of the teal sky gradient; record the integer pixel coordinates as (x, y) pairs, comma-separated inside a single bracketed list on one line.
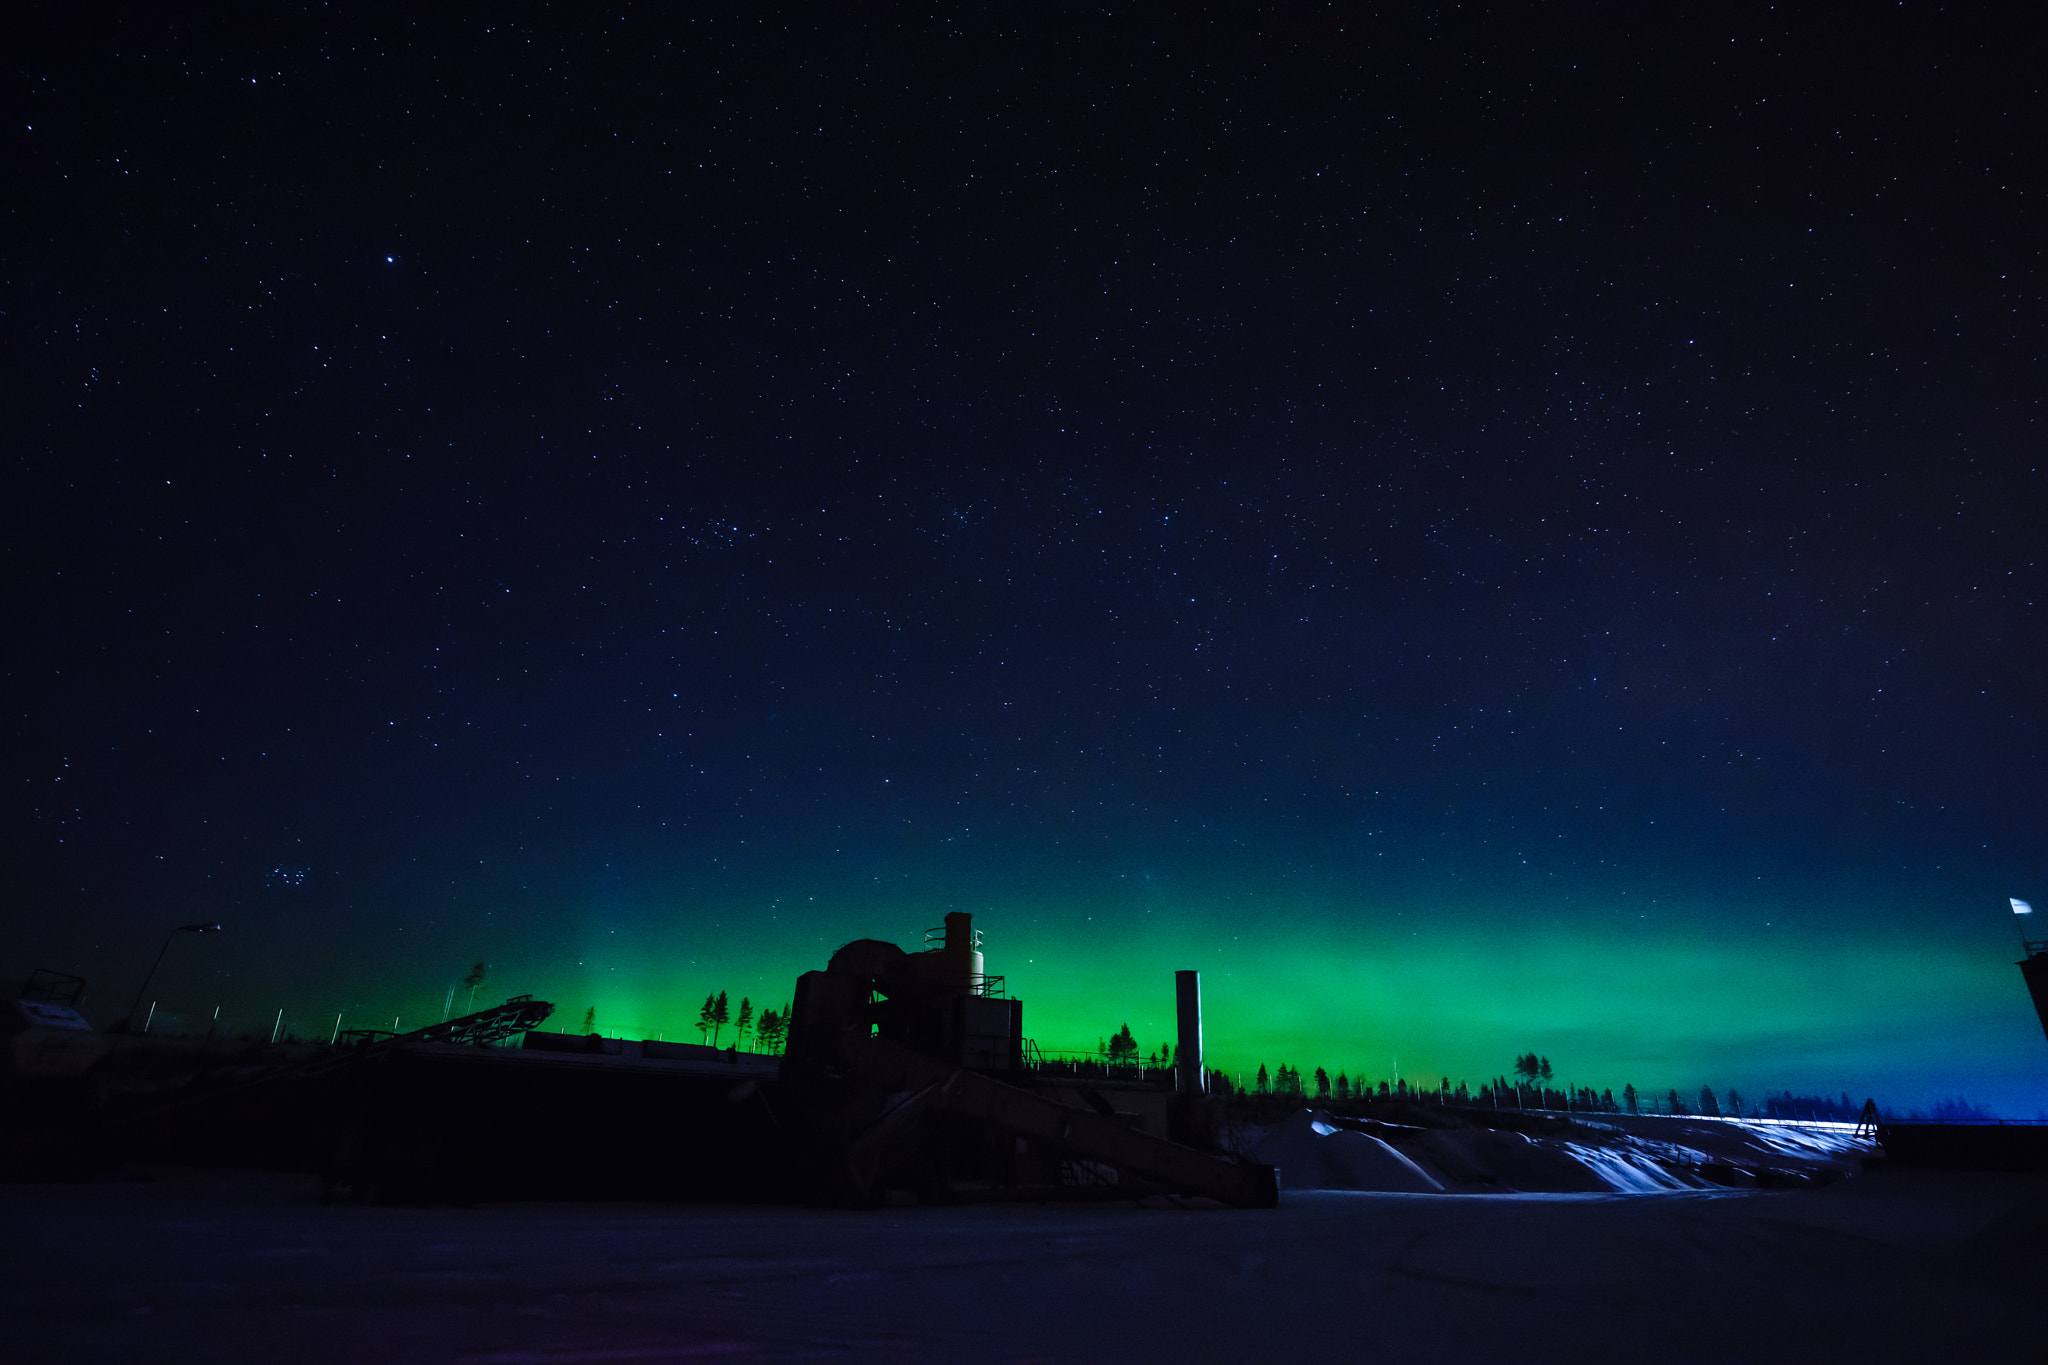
[(1877, 998)]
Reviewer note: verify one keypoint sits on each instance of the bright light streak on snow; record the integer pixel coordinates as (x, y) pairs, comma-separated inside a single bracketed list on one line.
[(1626, 1174)]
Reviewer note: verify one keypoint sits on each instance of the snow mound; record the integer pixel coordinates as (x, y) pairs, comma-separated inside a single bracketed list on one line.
[(1495, 1158), (1312, 1154)]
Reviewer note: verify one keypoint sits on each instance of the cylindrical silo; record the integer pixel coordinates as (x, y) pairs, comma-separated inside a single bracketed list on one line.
[(963, 952)]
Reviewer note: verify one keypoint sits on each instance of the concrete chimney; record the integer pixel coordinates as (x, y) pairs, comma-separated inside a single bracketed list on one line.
[(1188, 1076)]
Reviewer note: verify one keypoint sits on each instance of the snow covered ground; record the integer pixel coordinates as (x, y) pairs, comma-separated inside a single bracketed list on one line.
[(1618, 1154), (185, 1266)]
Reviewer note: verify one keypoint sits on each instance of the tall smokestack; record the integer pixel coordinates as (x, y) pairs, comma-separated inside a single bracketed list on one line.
[(1188, 1077)]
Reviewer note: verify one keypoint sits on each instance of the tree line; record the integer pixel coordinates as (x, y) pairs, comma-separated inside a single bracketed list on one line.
[(770, 1029), (1531, 1088)]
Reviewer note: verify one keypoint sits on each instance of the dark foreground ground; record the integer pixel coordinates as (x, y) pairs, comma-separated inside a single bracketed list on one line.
[(179, 1265)]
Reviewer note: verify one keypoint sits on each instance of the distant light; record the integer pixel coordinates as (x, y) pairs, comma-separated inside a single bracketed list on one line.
[(2020, 907), (391, 260)]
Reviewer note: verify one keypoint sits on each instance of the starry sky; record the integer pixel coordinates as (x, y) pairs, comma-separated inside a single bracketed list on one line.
[(1480, 531)]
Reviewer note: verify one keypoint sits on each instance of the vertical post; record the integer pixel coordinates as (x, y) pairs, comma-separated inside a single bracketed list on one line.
[(1189, 1078)]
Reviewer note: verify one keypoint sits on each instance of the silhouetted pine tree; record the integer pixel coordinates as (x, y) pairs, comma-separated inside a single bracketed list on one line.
[(1122, 1046), (773, 1030)]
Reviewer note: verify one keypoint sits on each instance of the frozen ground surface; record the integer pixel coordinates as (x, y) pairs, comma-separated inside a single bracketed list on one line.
[(176, 1266)]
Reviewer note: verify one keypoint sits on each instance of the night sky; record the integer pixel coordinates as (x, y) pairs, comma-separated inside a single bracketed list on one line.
[(1480, 532)]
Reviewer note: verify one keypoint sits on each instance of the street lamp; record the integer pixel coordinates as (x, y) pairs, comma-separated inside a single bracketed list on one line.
[(129, 1019)]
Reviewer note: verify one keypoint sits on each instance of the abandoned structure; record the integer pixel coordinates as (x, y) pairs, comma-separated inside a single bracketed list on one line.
[(907, 1071), (905, 1075)]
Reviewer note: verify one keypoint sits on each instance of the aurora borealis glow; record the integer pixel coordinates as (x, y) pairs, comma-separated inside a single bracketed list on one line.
[(1479, 536)]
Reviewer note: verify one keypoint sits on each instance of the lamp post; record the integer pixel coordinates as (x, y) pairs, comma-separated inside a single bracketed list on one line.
[(129, 1018)]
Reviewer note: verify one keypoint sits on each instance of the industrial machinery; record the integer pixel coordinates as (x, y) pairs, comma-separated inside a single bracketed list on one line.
[(907, 1072), (939, 1002), (2034, 962), (46, 1037)]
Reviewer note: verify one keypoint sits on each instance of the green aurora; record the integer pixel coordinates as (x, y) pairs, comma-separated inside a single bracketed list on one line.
[(1611, 999)]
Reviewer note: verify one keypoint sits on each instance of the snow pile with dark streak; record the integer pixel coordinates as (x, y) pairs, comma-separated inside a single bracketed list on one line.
[(1311, 1153)]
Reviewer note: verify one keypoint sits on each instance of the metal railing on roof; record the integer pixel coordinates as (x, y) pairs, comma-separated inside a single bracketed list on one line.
[(516, 1015), (1091, 1065)]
